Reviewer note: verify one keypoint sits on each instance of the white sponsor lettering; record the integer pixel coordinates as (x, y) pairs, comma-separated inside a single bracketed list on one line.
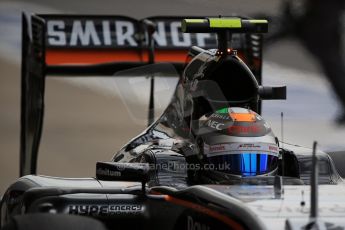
[(194, 225), (200, 38), (236, 148), (106, 32), (125, 33), (107, 172), (119, 33), (85, 35), (186, 40), (56, 34), (160, 36), (105, 210), (215, 124)]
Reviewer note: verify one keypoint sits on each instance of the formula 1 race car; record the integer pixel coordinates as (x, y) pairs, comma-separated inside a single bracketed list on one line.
[(210, 161)]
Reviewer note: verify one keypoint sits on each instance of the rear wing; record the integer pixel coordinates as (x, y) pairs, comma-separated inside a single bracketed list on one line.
[(77, 45)]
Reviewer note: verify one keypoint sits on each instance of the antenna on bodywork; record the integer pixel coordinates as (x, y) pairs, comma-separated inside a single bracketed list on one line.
[(314, 184), (151, 28), (278, 180), (282, 138)]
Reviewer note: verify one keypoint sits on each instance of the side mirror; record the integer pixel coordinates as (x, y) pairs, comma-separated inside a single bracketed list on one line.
[(272, 92), (114, 171)]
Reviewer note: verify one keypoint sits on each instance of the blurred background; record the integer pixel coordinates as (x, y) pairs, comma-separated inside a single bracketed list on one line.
[(87, 121)]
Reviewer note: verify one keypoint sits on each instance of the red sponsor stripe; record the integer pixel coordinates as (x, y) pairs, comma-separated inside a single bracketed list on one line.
[(93, 57), (171, 56), (243, 129), (87, 57), (217, 148), (199, 208)]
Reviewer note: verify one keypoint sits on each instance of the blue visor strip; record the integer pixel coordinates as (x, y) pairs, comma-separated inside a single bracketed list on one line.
[(263, 163), (253, 163), (247, 163), (248, 166), (244, 163)]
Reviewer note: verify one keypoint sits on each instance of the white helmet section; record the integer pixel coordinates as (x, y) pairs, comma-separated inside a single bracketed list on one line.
[(238, 148)]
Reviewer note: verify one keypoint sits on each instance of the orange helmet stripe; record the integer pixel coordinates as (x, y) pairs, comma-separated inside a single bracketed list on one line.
[(244, 117)]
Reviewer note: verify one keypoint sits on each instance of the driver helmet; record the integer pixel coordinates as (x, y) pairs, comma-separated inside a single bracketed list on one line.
[(239, 142)]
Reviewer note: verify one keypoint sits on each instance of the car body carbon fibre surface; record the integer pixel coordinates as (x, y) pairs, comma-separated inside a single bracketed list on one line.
[(170, 195)]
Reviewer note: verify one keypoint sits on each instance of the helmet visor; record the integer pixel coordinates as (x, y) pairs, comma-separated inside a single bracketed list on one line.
[(246, 162)]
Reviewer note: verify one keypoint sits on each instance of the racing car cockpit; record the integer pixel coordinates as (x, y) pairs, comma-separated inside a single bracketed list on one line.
[(214, 119)]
